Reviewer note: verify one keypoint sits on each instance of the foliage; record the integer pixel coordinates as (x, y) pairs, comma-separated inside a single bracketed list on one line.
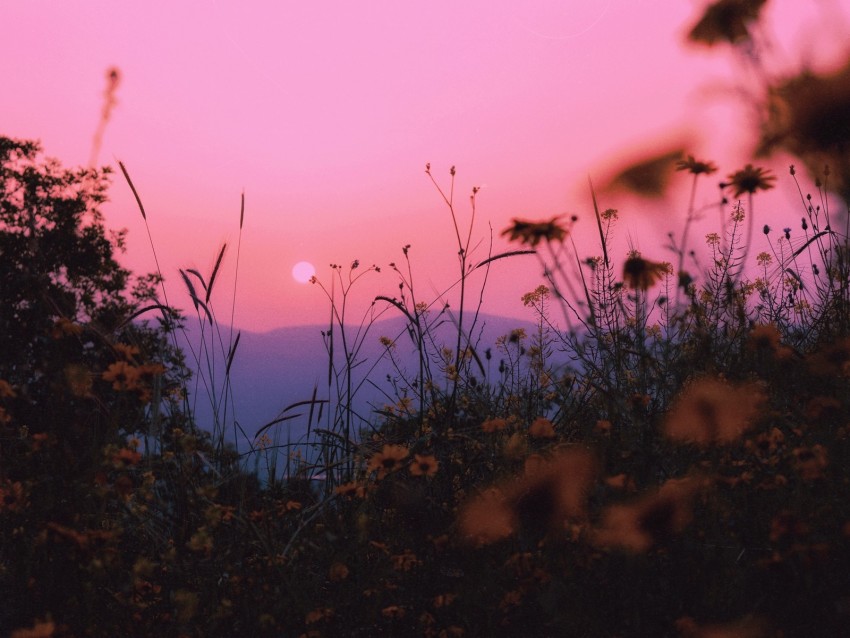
[(684, 476)]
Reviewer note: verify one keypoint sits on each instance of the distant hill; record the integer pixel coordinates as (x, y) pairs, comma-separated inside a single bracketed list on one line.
[(275, 369)]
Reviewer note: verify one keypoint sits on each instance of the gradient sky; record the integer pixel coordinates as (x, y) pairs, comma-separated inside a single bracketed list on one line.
[(325, 114)]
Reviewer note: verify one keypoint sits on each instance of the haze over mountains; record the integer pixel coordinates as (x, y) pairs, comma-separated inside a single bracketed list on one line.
[(276, 369)]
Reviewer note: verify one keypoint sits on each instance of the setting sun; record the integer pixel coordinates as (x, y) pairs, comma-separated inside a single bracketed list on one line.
[(303, 271)]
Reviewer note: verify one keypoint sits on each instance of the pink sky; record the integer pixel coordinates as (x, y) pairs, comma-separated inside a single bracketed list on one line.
[(326, 113)]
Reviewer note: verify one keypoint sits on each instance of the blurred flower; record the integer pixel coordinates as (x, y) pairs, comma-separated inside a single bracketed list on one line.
[(831, 360), (39, 629), (550, 491), (6, 390), (393, 611), (695, 167), (808, 117), (652, 519), (747, 627), (647, 177), (532, 233), (750, 179), (541, 428), (809, 462), (79, 380), (424, 465), (712, 411), (494, 425), (726, 21), (352, 488), (13, 498), (642, 274), (387, 460), (338, 572)]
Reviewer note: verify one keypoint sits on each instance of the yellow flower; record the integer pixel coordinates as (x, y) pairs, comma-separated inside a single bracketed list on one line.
[(39, 629), (494, 425), (712, 411), (123, 376), (650, 520), (424, 465), (387, 460), (550, 491), (542, 428), (6, 390)]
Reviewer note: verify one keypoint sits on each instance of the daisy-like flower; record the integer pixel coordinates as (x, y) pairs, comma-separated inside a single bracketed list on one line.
[(541, 428), (550, 491), (712, 411), (123, 376), (424, 465), (651, 520), (647, 177), (695, 167), (726, 21), (532, 233), (494, 425), (388, 460), (751, 179), (642, 274)]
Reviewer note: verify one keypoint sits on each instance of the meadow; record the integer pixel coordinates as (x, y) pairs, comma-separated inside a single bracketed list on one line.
[(683, 474)]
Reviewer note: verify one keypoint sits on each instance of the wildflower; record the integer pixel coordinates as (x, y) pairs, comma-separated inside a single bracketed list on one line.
[(6, 390), (747, 627), (787, 232), (542, 428), (808, 117), (65, 328), (386, 342), (831, 360), (393, 612), (338, 572), (712, 411), (123, 376), (764, 259), (494, 425), (125, 457), (317, 615), (536, 296), (532, 233), (751, 179), (695, 167), (642, 274), (79, 380), (712, 239), (810, 462), (387, 460), (405, 561), (651, 520), (126, 351), (12, 496), (647, 177), (424, 465), (726, 21), (39, 629), (550, 491)]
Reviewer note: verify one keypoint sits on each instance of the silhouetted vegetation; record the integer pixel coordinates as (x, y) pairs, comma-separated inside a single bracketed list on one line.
[(686, 475)]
